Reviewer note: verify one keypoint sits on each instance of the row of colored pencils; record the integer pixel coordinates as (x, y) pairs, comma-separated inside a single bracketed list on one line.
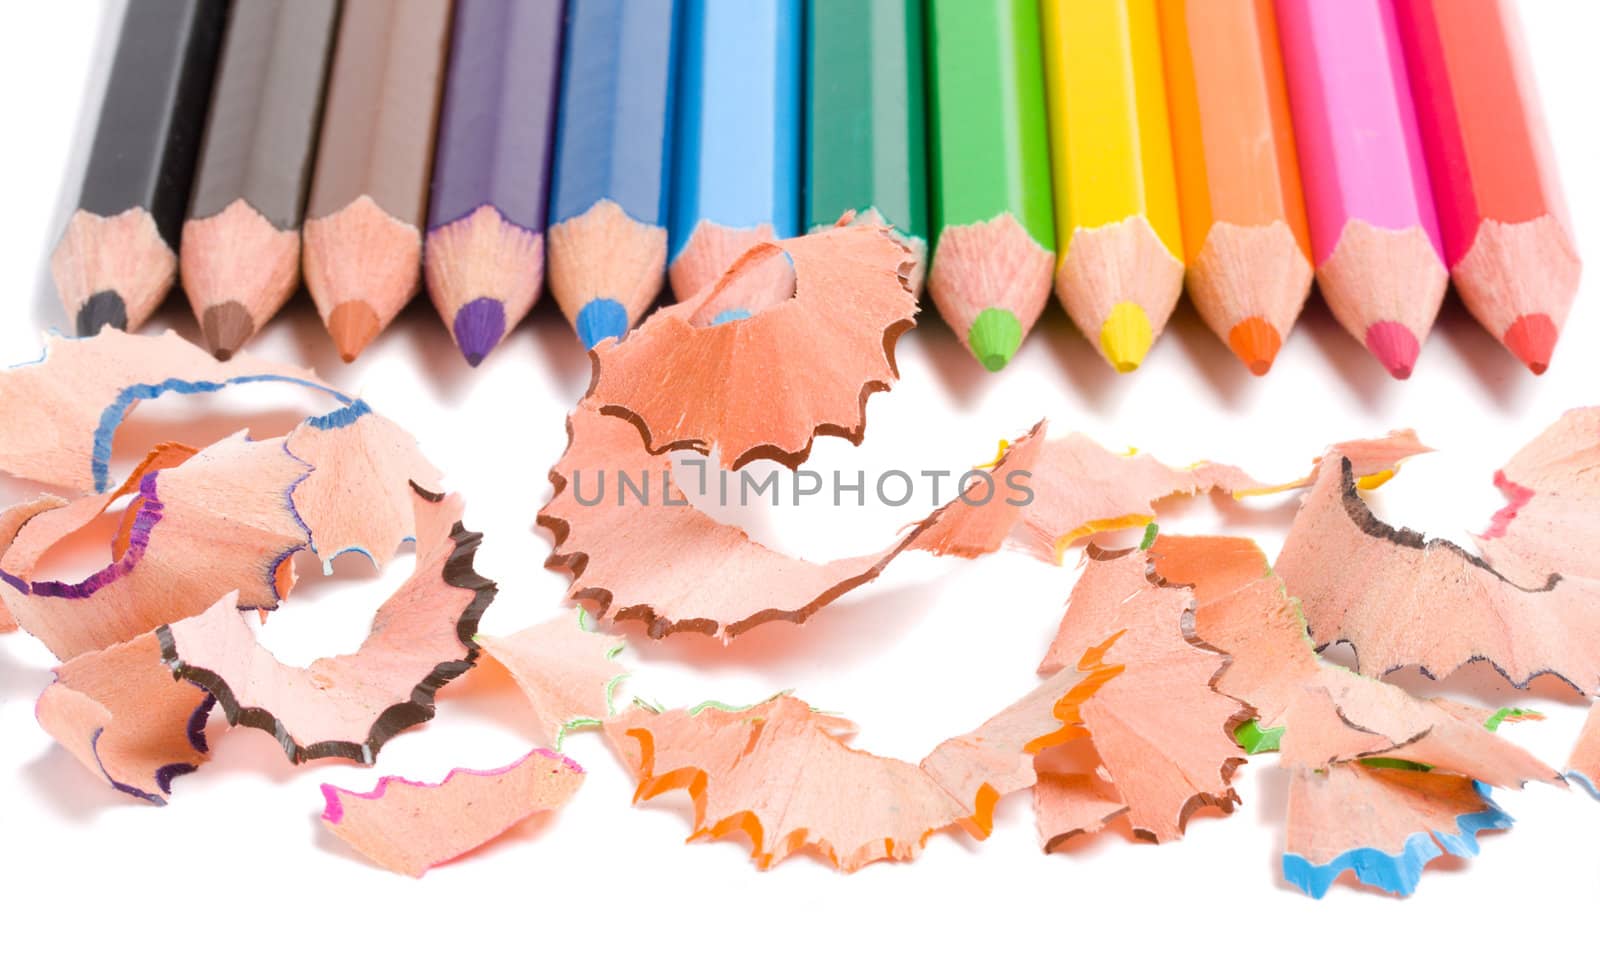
[(1119, 148), (1242, 147)]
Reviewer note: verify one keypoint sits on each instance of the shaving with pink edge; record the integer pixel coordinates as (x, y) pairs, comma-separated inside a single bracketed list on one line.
[(1549, 524), (410, 827), (1402, 600)]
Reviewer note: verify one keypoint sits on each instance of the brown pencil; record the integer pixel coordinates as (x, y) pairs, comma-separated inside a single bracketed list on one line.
[(363, 232), (240, 259), (118, 257)]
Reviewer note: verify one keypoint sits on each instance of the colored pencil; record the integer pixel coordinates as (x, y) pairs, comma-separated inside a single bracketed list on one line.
[(1121, 264), (240, 257), (1239, 199), (994, 240), (866, 144), (736, 145), (484, 254), (1374, 236), (363, 240), (1507, 238), (608, 193), (118, 257)]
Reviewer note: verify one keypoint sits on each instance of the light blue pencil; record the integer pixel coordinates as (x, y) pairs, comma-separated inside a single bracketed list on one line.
[(736, 149)]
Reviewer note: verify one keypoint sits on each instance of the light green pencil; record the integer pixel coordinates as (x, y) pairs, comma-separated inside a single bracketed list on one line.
[(994, 235)]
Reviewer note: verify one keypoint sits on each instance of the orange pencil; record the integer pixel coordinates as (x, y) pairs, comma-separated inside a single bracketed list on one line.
[(1507, 238), (1239, 200)]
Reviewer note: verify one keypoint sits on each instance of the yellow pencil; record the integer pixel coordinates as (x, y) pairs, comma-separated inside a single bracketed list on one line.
[(1120, 269)]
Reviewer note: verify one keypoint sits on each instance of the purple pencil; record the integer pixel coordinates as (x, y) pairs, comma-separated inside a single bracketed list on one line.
[(484, 254)]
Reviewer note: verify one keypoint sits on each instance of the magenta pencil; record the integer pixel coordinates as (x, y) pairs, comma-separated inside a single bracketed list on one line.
[(1374, 234)]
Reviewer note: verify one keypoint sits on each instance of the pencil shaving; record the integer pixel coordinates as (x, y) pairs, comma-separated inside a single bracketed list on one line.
[(1078, 488), (410, 827), (779, 774), (567, 672), (742, 344), (126, 719), (219, 522), (1401, 600), (719, 582), (1583, 765), (1549, 523), (349, 706), (1384, 825), (357, 494), (1161, 731), (1323, 716), (63, 411), (997, 758)]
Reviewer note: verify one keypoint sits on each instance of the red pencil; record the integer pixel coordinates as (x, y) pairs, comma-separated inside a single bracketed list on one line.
[(1504, 221)]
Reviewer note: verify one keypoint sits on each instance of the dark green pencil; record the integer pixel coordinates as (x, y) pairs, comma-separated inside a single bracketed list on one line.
[(866, 147)]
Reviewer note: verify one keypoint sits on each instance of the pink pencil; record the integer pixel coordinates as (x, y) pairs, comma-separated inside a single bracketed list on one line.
[(1374, 233)]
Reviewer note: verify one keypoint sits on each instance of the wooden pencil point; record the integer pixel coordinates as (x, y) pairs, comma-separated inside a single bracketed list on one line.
[(483, 260), (710, 252), (1255, 343), (602, 258), (1532, 339), (353, 325), (237, 256), (1525, 270), (1119, 273), (224, 328), (989, 265), (1246, 278), (1385, 277), (119, 264), (361, 254)]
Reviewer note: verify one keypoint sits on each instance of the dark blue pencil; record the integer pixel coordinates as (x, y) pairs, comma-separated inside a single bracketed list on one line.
[(608, 194)]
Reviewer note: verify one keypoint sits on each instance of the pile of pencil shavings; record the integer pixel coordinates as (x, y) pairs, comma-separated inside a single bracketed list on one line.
[(1175, 659)]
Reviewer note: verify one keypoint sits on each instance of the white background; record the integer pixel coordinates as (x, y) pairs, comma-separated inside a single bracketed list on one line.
[(238, 865)]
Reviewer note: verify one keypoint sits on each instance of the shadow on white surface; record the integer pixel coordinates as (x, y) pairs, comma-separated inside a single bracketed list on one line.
[(75, 793)]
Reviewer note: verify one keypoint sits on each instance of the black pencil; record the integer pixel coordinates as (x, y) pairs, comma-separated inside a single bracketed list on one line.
[(240, 259), (119, 255)]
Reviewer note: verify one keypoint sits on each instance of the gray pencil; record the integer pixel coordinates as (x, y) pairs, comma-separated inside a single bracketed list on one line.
[(240, 256)]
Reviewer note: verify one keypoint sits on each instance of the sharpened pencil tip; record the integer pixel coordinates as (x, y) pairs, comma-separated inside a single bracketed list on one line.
[(100, 310), (224, 328), (1395, 346), (599, 320), (478, 327), (994, 338), (1125, 336), (1532, 338), (353, 325), (1255, 343)]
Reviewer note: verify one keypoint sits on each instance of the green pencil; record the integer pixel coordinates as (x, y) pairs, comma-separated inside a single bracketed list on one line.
[(994, 235), (866, 146)]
